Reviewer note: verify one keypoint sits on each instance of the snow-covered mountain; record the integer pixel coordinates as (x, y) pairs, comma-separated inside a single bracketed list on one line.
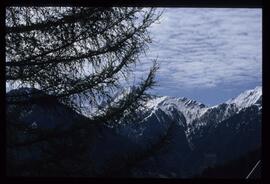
[(239, 118), (247, 98), (189, 108), (170, 140), (197, 114)]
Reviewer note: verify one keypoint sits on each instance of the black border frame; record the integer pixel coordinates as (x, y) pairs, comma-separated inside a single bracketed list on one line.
[(144, 3)]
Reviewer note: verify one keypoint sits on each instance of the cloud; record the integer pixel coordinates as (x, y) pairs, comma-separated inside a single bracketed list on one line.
[(206, 48)]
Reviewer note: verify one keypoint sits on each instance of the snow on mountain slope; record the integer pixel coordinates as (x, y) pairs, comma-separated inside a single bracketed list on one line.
[(214, 116), (193, 110), (190, 108), (247, 98), (198, 115)]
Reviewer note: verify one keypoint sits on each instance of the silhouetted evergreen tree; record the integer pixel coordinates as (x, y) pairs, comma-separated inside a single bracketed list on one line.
[(78, 56)]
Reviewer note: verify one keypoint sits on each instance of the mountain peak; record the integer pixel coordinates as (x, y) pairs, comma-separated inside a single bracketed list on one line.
[(247, 98), (191, 109)]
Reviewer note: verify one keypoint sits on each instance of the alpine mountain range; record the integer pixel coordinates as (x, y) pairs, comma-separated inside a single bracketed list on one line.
[(175, 138)]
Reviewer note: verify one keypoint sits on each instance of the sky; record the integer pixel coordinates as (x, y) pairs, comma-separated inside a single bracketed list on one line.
[(206, 54)]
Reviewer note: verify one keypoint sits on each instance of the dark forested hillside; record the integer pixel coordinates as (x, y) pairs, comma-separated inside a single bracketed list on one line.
[(237, 168)]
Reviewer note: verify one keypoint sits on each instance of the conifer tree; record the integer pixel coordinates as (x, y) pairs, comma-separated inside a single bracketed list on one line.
[(79, 57)]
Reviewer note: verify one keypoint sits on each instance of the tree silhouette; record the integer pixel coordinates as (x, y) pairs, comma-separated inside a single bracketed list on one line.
[(80, 57), (74, 54)]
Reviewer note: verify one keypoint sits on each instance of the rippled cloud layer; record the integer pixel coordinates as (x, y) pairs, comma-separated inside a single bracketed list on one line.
[(206, 50)]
